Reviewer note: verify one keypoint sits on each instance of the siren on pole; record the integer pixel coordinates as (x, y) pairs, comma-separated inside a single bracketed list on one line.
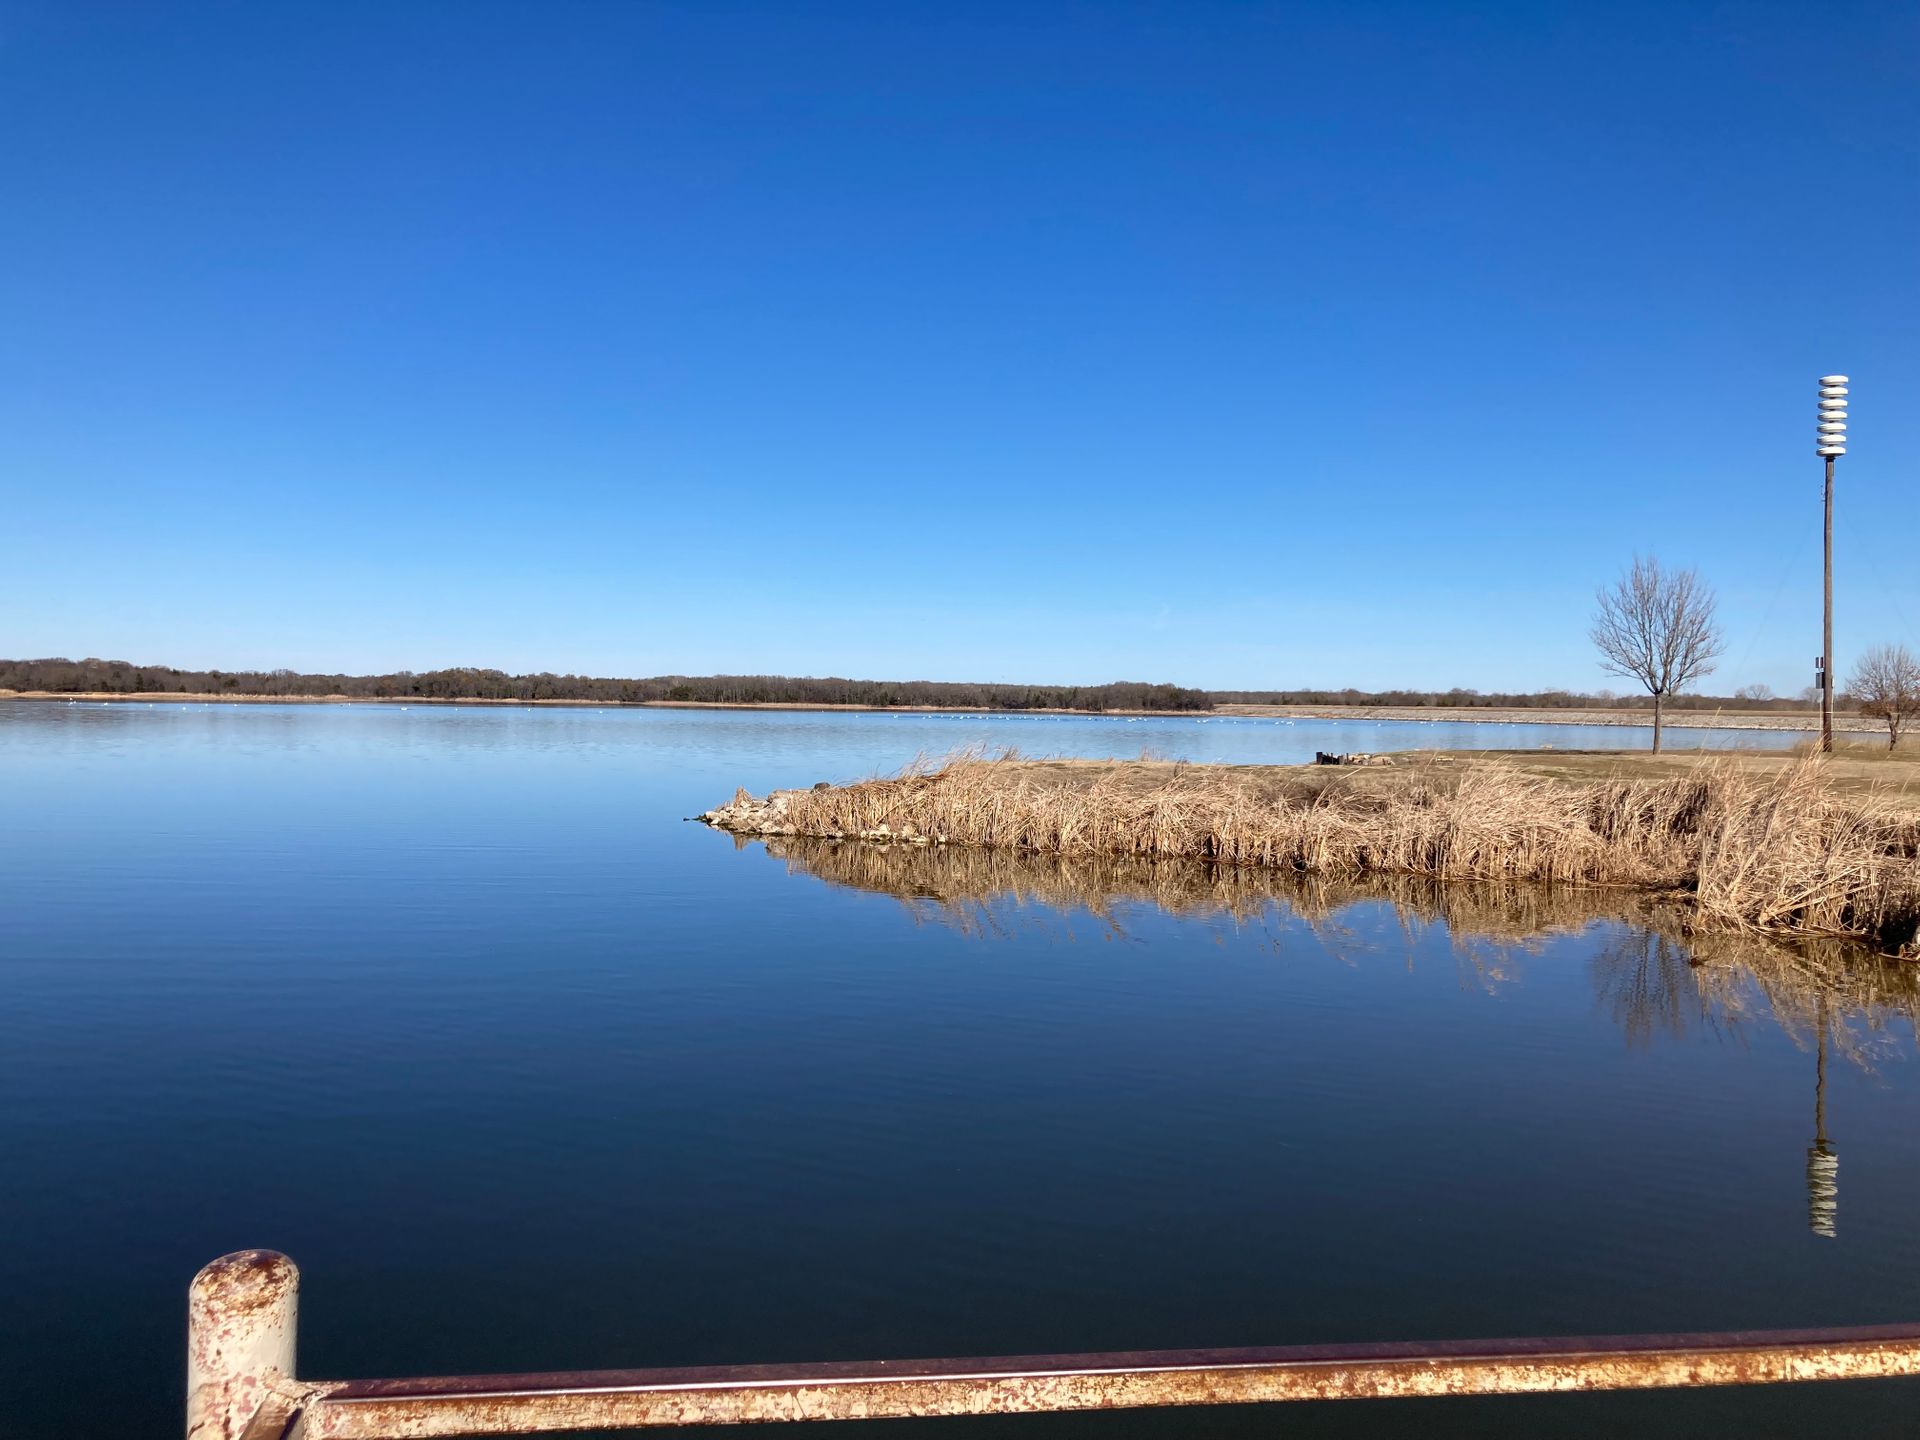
[(1831, 436)]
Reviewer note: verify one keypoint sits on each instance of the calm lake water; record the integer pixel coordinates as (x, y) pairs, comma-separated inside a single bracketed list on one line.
[(528, 1073)]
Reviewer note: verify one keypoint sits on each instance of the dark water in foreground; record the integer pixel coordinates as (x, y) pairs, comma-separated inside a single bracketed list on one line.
[(527, 1073)]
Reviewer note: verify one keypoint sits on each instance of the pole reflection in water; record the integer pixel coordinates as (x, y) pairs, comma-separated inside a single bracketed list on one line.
[(1656, 977), (1823, 1165)]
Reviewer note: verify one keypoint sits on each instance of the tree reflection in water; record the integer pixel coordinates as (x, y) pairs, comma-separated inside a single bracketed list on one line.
[(1656, 976), (1645, 979)]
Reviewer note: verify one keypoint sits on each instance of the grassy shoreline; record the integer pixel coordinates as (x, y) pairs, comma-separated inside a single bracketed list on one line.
[(1683, 720), (1779, 849), (1798, 721)]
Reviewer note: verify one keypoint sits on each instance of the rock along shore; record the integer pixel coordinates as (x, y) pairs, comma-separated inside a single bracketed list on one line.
[(747, 814)]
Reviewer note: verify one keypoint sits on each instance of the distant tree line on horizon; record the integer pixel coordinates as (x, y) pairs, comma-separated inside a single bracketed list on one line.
[(119, 677)]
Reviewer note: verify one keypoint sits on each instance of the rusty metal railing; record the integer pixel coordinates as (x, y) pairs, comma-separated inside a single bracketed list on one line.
[(242, 1383)]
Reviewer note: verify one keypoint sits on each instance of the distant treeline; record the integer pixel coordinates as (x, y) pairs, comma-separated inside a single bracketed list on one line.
[(119, 677)]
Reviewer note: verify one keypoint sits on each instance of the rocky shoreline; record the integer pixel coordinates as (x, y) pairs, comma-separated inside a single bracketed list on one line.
[(747, 814)]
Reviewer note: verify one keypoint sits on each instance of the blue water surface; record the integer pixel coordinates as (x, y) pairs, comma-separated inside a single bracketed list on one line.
[(526, 1072)]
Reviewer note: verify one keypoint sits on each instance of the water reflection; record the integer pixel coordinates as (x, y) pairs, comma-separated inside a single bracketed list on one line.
[(1652, 972), (1823, 1164), (1656, 977)]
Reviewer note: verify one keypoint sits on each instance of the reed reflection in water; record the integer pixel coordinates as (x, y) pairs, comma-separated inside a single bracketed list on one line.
[(1656, 976)]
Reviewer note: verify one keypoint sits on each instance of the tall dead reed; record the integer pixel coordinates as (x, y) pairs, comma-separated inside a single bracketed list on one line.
[(1778, 852)]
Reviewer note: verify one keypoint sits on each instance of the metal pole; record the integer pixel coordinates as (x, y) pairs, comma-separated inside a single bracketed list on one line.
[(635, 1400), (241, 1318), (241, 1385), (1826, 631)]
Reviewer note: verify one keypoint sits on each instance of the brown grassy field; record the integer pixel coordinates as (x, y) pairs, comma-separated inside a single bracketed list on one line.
[(1859, 766), (1771, 845)]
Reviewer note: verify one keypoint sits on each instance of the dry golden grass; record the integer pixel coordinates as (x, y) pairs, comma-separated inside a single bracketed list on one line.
[(1776, 851), (1860, 767)]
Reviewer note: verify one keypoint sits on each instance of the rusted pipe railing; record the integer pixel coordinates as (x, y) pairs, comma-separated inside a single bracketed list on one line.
[(241, 1381), (241, 1312)]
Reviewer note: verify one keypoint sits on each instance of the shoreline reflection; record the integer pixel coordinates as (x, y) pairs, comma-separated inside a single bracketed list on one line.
[(1653, 974)]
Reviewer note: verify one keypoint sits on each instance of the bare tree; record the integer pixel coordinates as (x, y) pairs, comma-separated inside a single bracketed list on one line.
[(1886, 683), (1656, 627)]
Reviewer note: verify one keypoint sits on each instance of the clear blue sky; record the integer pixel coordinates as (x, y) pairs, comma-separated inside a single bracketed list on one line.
[(1239, 345)]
